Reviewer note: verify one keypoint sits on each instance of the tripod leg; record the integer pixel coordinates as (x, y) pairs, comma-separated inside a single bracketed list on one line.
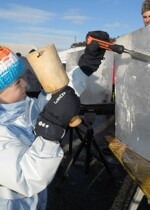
[(70, 140), (88, 137), (87, 144), (73, 159), (88, 155), (101, 156)]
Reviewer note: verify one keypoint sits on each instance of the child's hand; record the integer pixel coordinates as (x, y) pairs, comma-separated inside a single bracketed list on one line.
[(93, 54), (58, 112)]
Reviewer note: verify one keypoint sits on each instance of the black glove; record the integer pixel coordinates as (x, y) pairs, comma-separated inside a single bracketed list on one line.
[(58, 112), (93, 54)]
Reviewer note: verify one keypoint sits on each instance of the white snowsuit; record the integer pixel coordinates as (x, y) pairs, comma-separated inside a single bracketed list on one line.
[(27, 164)]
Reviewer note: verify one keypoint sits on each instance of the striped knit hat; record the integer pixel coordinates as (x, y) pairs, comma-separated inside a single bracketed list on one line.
[(11, 68), (145, 6)]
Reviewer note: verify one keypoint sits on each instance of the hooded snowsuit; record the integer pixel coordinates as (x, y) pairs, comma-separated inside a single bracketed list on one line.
[(28, 164)]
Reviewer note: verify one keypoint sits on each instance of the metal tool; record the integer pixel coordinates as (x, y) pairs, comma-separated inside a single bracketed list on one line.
[(120, 49)]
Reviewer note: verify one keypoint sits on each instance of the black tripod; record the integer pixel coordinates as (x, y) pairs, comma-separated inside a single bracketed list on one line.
[(88, 142)]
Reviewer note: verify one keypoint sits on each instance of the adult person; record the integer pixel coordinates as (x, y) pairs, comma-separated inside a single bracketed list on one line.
[(31, 130), (145, 10)]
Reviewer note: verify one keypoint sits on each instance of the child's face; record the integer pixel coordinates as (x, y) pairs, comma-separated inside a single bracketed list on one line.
[(14, 93)]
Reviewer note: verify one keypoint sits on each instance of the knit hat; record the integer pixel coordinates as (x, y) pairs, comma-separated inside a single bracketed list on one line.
[(11, 68), (145, 6)]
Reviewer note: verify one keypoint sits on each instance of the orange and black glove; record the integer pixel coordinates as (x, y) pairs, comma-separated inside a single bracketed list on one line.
[(93, 54)]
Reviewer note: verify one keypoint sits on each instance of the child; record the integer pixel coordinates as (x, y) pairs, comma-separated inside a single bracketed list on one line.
[(31, 129), (28, 161)]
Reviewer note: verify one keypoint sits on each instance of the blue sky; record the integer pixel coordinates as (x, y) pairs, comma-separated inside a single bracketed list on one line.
[(43, 22)]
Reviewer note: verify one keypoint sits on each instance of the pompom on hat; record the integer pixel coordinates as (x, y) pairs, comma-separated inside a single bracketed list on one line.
[(11, 68), (145, 6)]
